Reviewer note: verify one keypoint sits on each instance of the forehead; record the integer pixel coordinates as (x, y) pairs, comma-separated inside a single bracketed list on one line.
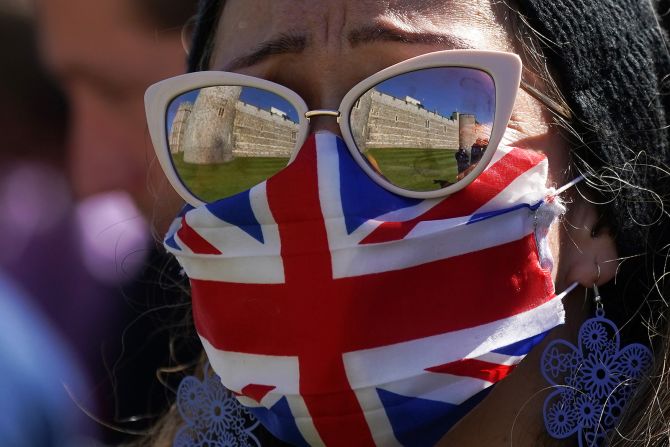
[(328, 23)]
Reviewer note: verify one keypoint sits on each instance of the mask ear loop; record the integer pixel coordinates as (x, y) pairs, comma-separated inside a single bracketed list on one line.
[(600, 311), (556, 193), (567, 186), (567, 290)]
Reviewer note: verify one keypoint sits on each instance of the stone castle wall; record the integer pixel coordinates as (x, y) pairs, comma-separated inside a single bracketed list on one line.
[(259, 133), (220, 127), (382, 121)]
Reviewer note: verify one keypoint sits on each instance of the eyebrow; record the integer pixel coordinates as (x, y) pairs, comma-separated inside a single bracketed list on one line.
[(289, 43), (285, 43)]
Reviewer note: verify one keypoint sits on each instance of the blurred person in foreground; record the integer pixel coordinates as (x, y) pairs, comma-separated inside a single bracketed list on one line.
[(104, 54), (38, 230), (38, 371), (42, 348)]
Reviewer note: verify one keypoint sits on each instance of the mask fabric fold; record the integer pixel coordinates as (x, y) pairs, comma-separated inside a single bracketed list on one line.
[(342, 314)]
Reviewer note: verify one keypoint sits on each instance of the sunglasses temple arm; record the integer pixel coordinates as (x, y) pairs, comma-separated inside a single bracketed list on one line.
[(552, 105)]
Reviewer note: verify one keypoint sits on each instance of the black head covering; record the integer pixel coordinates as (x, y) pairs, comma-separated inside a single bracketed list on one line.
[(612, 63)]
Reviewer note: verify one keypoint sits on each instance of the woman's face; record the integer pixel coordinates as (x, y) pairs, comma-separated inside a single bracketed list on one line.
[(321, 48)]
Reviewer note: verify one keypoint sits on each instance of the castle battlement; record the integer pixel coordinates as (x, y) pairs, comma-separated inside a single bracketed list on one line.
[(267, 115), (380, 120)]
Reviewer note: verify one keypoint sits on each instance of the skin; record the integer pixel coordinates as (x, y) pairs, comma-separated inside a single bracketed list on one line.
[(105, 56), (329, 65)]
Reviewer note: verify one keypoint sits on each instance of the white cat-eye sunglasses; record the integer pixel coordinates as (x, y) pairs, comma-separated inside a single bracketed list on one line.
[(423, 128)]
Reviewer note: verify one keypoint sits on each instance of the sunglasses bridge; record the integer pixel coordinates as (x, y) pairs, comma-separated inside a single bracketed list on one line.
[(323, 112)]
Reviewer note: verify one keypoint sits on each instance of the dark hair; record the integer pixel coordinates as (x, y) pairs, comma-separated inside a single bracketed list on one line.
[(619, 136), (207, 20)]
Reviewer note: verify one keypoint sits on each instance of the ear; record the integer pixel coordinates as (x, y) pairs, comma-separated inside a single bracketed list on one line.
[(586, 257)]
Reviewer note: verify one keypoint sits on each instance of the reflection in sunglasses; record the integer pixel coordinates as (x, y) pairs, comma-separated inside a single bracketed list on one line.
[(421, 130), (215, 124), (425, 128), (225, 139)]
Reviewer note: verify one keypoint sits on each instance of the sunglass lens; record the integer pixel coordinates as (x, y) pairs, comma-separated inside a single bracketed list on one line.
[(425, 130), (225, 139)]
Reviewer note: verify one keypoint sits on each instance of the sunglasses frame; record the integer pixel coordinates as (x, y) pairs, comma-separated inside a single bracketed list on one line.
[(504, 68)]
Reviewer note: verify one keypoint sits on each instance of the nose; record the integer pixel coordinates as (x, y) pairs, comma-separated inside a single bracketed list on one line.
[(323, 94), (324, 119)]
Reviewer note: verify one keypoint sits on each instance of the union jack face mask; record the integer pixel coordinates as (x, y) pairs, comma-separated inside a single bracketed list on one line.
[(341, 313)]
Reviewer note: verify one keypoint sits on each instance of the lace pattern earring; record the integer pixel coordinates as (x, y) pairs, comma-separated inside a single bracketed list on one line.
[(212, 416), (592, 381)]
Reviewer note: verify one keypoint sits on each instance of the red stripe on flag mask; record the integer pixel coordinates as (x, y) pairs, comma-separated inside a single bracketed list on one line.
[(343, 314)]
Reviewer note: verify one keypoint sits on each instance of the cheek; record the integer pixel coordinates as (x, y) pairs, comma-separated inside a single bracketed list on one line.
[(532, 120), (553, 238)]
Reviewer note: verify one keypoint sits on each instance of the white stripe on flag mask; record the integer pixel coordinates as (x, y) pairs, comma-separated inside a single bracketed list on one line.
[(342, 314)]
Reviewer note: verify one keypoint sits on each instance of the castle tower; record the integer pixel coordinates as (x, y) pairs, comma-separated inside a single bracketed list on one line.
[(467, 134), (208, 138)]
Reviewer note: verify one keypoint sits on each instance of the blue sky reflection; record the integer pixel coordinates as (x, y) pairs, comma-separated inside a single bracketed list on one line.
[(446, 90)]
